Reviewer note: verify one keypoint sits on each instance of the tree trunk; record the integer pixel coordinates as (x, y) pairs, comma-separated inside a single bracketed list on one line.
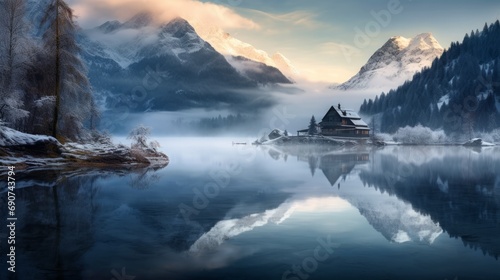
[(10, 61), (58, 74)]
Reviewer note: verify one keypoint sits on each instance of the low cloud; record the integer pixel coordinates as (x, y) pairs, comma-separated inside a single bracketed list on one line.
[(94, 12)]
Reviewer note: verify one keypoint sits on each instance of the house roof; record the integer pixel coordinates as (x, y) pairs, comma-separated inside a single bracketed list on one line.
[(349, 114), (359, 123)]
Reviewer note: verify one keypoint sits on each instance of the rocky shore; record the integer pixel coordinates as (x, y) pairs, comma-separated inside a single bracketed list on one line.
[(25, 151)]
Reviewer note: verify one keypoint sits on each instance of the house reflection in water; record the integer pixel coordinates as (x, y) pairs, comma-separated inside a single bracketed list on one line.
[(335, 163), (340, 165)]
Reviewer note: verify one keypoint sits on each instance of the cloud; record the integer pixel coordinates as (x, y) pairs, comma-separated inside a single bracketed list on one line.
[(94, 12), (297, 18)]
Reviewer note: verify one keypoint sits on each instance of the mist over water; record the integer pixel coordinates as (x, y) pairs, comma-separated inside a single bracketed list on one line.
[(292, 108), (241, 211)]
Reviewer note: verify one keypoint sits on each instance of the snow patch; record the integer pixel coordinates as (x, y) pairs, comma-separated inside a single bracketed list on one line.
[(443, 100), (11, 137), (401, 237)]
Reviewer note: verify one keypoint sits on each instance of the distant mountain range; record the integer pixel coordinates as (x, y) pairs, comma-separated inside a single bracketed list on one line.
[(394, 63), (172, 67), (459, 92)]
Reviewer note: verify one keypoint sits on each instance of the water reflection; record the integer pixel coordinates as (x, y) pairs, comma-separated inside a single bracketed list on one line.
[(82, 225), (421, 190), (57, 218), (334, 162), (458, 188)]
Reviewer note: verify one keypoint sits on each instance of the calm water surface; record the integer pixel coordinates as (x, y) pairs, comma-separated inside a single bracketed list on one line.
[(223, 211)]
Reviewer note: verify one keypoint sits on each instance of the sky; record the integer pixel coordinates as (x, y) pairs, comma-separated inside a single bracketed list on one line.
[(327, 40)]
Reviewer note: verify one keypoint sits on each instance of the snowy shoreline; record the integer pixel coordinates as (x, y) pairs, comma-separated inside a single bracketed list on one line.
[(278, 137), (27, 151)]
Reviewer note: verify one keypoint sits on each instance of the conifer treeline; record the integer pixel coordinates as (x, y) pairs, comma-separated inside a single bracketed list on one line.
[(457, 93)]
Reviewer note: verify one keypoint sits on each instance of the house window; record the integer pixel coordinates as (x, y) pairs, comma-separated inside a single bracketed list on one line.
[(344, 122)]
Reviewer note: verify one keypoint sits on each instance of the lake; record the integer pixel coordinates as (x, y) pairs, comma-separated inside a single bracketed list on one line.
[(224, 211)]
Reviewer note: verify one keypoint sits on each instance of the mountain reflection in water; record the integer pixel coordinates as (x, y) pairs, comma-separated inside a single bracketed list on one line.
[(425, 190), (376, 203)]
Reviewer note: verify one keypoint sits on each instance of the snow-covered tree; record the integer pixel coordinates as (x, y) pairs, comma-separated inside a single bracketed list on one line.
[(419, 135), (71, 87), (139, 136), (14, 56)]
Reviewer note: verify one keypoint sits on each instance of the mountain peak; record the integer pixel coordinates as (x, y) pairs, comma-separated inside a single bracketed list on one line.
[(397, 43), (178, 27), (395, 62), (140, 20), (109, 26), (425, 41), (178, 21)]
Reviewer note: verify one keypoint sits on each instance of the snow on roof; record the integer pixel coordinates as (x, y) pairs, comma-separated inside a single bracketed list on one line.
[(359, 123), (349, 114)]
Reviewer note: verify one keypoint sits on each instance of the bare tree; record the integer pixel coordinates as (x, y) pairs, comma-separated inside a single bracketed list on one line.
[(139, 136), (74, 102)]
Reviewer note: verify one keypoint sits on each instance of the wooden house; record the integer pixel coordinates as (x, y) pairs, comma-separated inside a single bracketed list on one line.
[(340, 122)]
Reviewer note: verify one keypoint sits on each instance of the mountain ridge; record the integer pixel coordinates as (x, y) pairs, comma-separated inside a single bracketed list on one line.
[(228, 45), (395, 62), (181, 61)]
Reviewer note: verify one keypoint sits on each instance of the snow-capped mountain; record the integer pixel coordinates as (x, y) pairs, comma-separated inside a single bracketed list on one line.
[(173, 59), (176, 38), (227, 229), (470, 66), (395, 62), (142, 37), (228, 45), (396, 220)]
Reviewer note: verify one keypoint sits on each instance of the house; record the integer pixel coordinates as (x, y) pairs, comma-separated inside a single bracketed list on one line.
[(340, 122)]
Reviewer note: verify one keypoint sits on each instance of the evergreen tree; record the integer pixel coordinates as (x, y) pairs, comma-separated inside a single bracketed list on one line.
[(369, 107), (71, 87), (363, 108), (496, 77), (313, 127)]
